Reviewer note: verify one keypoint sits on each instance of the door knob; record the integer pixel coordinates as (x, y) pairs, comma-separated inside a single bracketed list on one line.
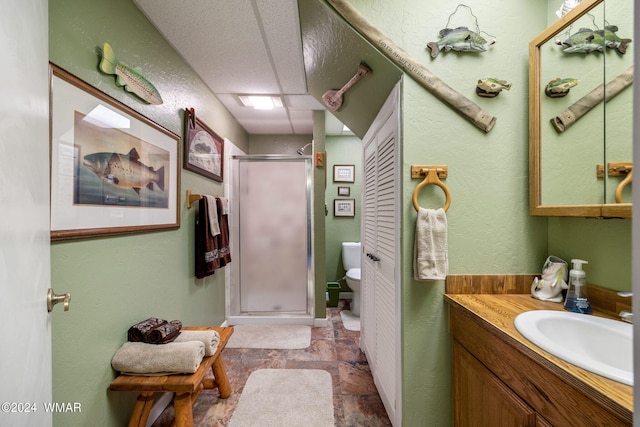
[(53, 299)]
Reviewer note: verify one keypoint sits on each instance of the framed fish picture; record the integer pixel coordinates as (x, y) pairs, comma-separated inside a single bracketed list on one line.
[(203, 148), (113, 171)]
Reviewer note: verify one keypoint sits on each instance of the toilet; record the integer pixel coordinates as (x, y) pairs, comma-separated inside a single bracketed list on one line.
[(351, 256)]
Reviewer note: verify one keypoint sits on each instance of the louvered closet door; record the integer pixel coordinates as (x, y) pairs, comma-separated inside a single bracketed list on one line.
[(381, 284), (368, 271)]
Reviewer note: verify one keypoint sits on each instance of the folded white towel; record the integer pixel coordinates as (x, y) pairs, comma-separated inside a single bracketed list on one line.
[(138, 358), (209, 338), (212, 211), (431, 258)]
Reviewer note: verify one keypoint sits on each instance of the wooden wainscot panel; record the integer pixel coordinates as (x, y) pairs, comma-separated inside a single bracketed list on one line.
[(555, 396)]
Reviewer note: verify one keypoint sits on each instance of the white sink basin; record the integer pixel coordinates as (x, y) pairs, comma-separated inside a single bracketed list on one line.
[(599, 345)]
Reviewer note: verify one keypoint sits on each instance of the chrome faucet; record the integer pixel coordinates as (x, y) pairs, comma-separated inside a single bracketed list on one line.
[(626, 315)]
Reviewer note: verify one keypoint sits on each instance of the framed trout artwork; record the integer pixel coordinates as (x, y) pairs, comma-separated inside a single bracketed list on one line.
[(113, 171), (203, 148)]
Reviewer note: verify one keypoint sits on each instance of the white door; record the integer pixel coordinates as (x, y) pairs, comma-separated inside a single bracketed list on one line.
[(273, 204), (380, 317), (25, 352)]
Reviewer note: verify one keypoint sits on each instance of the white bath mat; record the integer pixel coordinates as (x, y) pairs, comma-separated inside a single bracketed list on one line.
[(350, 321), (285, 398), (270, 336)]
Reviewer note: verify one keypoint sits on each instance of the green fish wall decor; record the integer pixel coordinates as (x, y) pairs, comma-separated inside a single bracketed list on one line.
[(612, 41), (587, 40), (490, 87), (130, 78), (460, 39), (557, 88)]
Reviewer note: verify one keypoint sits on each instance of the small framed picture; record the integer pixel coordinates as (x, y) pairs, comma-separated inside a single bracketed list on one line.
[(344, 207), (344, 191), (203, 148), (344, 173)]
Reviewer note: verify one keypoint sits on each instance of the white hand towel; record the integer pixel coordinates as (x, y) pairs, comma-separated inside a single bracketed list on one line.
[(138, 358), (212, 211), (209, 338), (431, 258), (225, 205)]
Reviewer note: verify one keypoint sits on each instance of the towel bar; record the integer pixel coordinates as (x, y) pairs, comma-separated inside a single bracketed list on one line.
[(192, 198), (431, 177)]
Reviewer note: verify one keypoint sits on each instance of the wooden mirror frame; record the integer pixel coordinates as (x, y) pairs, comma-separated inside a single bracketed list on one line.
[(604, 210)]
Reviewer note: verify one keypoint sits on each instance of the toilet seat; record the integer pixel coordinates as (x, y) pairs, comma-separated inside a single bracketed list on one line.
[(353, 274)]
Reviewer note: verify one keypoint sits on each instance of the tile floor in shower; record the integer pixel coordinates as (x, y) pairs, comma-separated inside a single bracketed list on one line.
[(333, 348)]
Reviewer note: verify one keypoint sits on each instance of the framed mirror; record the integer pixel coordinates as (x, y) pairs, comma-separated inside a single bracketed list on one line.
[(580, 113)]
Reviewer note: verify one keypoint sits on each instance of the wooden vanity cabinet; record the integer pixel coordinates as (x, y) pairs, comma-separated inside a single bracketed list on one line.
[(481, 399), (496, 383)]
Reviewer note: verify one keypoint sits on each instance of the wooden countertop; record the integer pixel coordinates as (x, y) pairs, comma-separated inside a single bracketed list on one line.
[(497, 313)]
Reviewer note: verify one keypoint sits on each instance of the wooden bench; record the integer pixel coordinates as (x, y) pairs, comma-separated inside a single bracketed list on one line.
[(187, 387)]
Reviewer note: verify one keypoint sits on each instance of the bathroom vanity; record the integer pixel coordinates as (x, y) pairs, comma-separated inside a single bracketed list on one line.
[(502, 379)]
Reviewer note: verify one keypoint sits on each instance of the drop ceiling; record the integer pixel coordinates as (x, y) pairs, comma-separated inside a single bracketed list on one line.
[(244, 47)]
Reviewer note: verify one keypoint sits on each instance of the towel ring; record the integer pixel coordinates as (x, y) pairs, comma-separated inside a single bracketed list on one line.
[(623, 184), (431, 178)]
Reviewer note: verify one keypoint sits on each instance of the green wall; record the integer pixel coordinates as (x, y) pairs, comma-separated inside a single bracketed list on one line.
[(319, 226), (118, 281), (604, 243), (341, 150), (489, 227), (279, 144)]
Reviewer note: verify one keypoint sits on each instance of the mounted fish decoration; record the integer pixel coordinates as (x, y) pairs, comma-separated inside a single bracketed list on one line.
[(587, 40), (124, 170), (460, 39), (584, 41), (491, 87), (611, 39), (557, 88), (132, 79)]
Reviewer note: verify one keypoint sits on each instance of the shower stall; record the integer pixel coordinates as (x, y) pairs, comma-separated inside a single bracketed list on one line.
[(272, 271)]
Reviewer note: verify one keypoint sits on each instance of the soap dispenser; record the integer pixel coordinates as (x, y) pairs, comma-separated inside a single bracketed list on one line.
[(577, 300)]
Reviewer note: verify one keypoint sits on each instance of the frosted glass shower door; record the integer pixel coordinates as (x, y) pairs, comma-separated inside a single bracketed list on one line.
[(275, 234)]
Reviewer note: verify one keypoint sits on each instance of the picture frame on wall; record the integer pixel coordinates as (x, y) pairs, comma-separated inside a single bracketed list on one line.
[(344, 173), (344, 207), (203, 148), (344, 191), (113, 171)]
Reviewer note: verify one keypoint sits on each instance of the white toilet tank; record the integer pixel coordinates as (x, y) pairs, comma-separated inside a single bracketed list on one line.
[(351, 255)]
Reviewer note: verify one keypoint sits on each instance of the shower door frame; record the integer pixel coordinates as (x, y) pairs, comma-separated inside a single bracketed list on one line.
[(235, 315)]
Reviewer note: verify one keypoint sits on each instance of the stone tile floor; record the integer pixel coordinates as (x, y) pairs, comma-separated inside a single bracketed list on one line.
[(333, 348)]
